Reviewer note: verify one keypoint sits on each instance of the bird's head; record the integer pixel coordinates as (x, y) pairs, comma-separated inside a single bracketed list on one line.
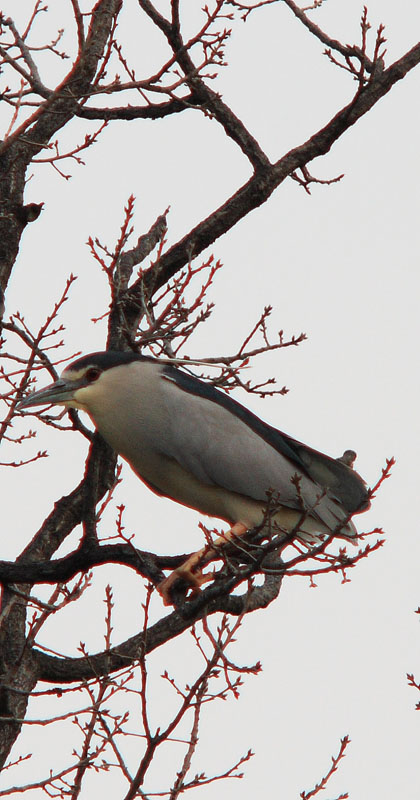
[(80, 383)]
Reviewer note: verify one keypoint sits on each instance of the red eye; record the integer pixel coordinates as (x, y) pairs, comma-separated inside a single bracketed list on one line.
[(92, 374)]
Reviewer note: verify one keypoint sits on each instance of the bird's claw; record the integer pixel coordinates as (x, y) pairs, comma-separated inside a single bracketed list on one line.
[(194, 580)]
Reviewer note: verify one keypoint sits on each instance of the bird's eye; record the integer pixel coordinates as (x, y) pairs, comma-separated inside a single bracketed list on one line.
[(92, 374)]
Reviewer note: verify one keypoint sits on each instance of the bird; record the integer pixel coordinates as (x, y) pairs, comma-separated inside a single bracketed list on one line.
[(190, 442)]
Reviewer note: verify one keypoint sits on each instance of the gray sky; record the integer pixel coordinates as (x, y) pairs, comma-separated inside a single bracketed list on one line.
[(341, 265)]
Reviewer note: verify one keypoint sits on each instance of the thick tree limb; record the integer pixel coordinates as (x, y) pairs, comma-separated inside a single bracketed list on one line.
[(266, 179), (154, 111), (62, 104), (17, 666), (17, 151), (69, 511), (63, 569), (216, 598)]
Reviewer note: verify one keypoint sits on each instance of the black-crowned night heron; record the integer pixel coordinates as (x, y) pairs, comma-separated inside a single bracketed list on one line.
[(192, 443)]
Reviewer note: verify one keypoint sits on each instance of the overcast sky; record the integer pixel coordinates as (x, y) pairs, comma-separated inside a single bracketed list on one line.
[(341, 265)]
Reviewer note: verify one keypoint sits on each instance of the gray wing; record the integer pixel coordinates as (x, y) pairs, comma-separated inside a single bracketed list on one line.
[(224, 444)]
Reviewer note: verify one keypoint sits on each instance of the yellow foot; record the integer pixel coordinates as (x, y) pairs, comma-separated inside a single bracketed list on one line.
[(193, 579), (191, 571)]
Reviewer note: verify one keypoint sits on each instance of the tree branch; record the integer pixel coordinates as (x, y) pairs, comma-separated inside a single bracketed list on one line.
[(216, 598), (266, 179)]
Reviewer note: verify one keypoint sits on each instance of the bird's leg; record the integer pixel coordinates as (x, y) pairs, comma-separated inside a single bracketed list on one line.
[(191, 570)]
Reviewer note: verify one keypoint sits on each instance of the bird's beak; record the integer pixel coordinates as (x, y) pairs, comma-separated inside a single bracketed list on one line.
[(58, 393)]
